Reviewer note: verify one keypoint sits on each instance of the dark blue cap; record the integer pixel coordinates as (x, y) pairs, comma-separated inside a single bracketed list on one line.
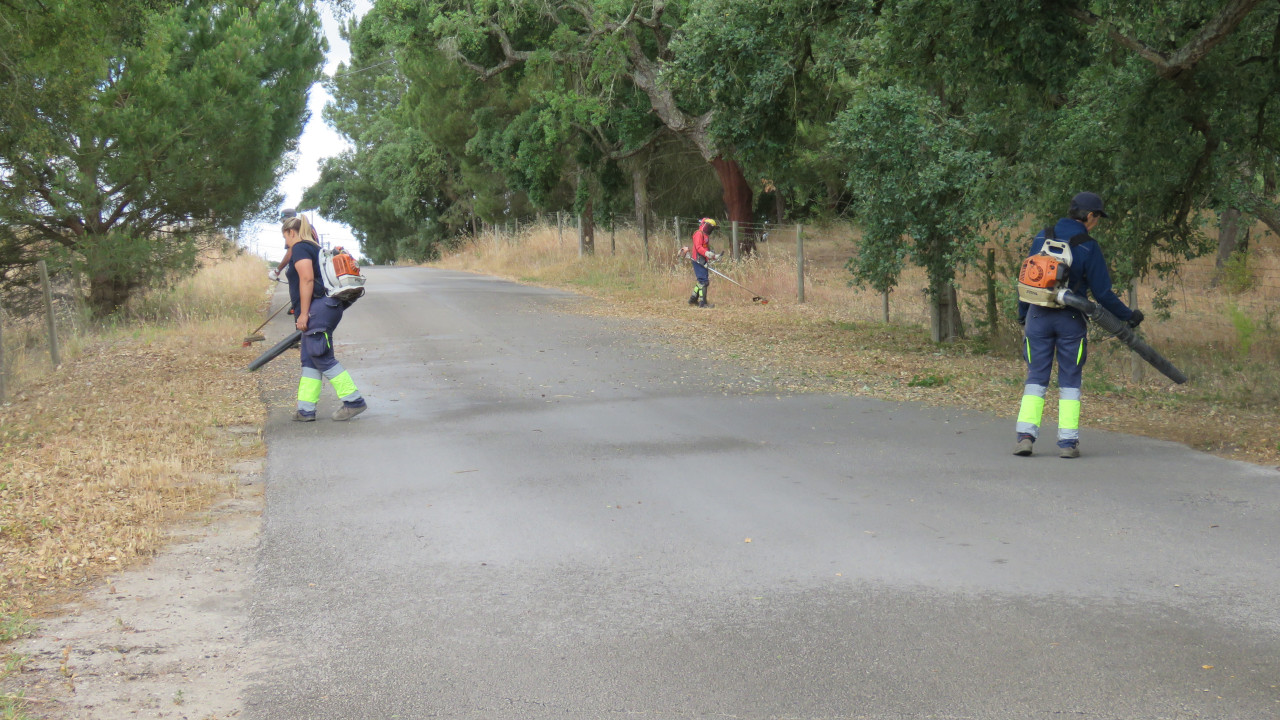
[(1088, 202)]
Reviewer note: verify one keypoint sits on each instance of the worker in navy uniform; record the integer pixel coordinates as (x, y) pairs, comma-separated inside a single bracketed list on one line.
[(1062, 332), (318, 317)]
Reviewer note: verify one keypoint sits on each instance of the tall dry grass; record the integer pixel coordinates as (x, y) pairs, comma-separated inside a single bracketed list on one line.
[(1224, 334), (100, 454), (224, 294)]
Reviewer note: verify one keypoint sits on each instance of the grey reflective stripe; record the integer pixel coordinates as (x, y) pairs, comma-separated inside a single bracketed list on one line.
[(1072, 434), (1027, 428), (1069, 393), (334, 371), (1037, 390), (312, 373)]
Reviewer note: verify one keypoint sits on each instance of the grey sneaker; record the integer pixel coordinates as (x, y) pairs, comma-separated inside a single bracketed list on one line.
[(1069, 452), (346, 412), (1023, 448), (300, 416)]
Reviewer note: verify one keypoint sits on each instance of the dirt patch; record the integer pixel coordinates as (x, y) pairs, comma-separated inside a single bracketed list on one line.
[(167, 640)]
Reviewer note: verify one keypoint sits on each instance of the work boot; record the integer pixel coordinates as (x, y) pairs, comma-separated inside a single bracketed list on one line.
[(693, 299), (349, 410), (1023, 448), (1070, 451), (304, 416)]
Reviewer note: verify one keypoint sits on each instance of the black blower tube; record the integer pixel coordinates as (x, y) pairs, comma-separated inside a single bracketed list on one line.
[(1123, 332)]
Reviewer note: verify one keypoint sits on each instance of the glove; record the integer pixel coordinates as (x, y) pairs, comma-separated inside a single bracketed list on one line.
[(273, 274), (1136, 319)]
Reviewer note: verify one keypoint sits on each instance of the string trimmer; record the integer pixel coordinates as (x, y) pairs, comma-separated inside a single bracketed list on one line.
[(257, 335), (757, 297)]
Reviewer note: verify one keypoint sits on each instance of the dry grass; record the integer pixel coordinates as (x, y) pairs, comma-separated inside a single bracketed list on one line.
[(127, 435), (837, 341)]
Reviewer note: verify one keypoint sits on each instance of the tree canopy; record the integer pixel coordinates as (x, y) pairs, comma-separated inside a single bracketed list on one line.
[(929, 123), (164, 123)]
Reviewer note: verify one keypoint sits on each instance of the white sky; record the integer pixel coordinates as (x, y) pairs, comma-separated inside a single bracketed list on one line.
[(318, 142)]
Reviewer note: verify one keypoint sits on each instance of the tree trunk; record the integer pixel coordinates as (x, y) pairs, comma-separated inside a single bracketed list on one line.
[(737, 197), (779, 205), (640, 186), (944, 314), (1230, 238), (107, 294)]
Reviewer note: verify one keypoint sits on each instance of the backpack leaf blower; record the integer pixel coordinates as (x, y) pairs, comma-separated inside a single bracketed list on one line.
[(1122, 332)]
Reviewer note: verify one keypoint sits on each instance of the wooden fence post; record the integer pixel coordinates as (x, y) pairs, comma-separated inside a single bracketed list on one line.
[(613, 245), (581, 241), (736, 247), (48, 310), (800, 261), (1136, 363), (560, 227), (675, 226), (644, 235), (2, 373), (885, 298), (992, 319)]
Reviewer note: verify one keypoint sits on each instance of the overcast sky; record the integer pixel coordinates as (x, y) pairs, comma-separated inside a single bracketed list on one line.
[(318, 142)]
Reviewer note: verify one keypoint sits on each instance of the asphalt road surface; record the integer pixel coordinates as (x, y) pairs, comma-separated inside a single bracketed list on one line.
[(547, 514)]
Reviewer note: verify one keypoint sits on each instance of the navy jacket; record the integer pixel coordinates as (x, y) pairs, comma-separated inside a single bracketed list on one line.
[(1088, 269), (305, 251)]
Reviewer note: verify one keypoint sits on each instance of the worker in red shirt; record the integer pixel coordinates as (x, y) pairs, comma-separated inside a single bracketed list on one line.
[(699, 254)]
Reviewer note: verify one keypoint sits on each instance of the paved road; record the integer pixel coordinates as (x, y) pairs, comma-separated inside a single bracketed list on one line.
[(545, 516)]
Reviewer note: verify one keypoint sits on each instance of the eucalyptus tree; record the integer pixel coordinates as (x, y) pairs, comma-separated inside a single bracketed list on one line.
[(165, 139)]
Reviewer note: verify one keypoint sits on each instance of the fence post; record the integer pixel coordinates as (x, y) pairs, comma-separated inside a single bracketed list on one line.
[(48, 310), (644, 235), (581, 240), (885, 298), (735, 240), (560, 227), (991, 291), (1136, 364), (613, 245), (675, 226), (800, 261), (2, 395)]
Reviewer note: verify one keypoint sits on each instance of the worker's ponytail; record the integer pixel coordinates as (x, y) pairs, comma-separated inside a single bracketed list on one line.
[(305, 232)]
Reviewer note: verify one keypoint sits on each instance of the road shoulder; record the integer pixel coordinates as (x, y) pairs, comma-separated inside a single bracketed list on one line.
[(168, 639)]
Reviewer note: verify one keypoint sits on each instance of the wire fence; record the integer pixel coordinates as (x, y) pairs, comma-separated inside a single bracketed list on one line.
[(1232, 308), (1215, 314)]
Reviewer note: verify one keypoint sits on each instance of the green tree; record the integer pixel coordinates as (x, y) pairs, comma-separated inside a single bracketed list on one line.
[(390, 187), (184, 131), (599, 57), (919, 193)]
